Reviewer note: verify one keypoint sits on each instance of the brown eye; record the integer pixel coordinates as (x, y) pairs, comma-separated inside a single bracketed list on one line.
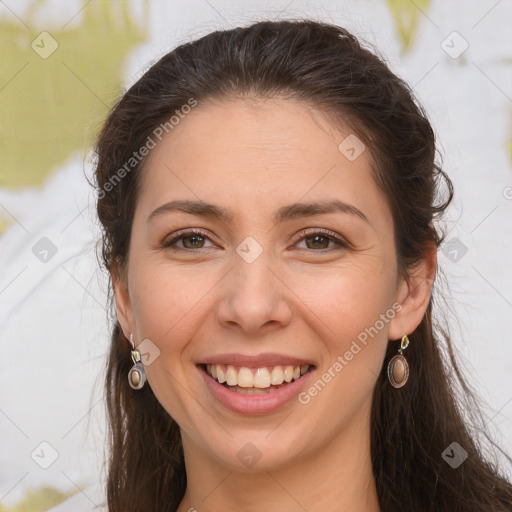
[(194, 241), (319, 240), (189, 240)]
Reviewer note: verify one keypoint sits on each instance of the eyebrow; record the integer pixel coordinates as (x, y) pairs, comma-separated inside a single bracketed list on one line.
[(285, 213)]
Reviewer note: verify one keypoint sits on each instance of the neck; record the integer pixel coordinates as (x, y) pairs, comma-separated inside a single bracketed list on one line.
[(338, 476)]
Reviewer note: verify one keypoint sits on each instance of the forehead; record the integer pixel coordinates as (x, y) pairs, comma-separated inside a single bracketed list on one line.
[(254, 153)]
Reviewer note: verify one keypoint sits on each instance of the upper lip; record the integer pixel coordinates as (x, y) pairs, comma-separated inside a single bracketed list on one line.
[(257, 361)]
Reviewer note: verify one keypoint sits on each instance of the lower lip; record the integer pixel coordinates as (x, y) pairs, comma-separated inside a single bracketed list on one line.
[(255, 404)]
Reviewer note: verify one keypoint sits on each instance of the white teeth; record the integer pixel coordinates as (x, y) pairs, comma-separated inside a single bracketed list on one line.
[(231, 376), (245, 378), (220, 374), (259, 378), (277, 376)]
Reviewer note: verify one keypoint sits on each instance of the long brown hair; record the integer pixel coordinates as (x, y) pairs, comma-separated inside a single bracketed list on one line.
[(326, 67)]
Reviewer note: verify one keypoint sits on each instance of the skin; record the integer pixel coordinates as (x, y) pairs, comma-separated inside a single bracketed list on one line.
[(297, 298)]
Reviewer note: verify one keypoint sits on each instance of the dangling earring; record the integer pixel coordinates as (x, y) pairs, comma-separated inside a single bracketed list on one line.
[(136, 375), (398, 369)]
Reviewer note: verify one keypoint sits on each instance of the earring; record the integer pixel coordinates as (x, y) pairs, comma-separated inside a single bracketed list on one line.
[(398, 368), (136, 375)]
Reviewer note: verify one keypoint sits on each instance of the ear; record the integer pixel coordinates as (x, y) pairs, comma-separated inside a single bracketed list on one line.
[(124, 310), (414, 295)]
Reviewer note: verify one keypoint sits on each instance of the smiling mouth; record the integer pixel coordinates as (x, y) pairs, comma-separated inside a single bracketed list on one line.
[(255, 381)]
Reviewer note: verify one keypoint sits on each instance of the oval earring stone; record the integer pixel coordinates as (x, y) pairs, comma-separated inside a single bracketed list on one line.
[(136, 377), (398, 371)]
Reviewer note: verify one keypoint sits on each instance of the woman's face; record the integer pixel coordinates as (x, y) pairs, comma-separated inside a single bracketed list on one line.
[(260, 288)]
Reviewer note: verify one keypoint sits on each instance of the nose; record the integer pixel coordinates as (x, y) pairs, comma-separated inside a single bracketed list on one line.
[(255, 298)]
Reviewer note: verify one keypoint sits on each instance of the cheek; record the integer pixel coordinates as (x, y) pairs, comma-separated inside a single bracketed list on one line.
[(163, 299), (354, 305), (349, 297), (354, 341), (166, 304)]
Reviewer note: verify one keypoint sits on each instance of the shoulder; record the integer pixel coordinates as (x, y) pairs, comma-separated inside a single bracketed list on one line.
[(89, 499)]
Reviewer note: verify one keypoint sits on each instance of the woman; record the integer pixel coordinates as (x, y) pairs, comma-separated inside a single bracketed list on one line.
[(268, 197)]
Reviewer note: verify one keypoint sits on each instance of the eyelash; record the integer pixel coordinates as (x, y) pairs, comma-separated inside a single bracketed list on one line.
[(303, 234)]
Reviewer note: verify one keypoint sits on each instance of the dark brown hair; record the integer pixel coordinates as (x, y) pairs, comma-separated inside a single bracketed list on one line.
[(327, 68)]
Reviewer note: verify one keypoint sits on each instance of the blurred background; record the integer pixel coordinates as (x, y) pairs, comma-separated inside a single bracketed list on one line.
[(63, 64)]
